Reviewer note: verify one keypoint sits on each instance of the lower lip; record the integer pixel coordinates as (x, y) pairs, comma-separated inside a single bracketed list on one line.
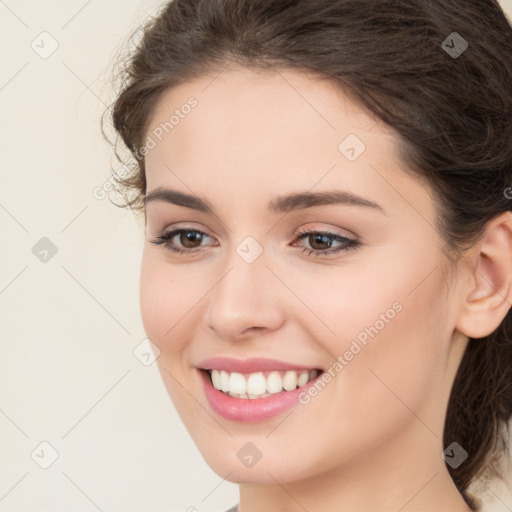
[(251, 409)]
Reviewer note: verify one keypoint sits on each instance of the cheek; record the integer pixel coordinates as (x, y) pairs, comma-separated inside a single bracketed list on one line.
[(154, 298), (387, 328), (165, 305), (167, 296)]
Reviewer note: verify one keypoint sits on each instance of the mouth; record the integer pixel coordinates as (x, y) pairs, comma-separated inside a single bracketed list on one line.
[(254, 389), (260, 384)]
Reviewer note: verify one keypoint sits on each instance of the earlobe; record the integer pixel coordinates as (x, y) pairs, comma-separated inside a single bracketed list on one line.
[(490, 293)]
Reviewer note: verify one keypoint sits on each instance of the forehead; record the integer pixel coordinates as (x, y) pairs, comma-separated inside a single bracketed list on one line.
[(271, 131), (251, 106)]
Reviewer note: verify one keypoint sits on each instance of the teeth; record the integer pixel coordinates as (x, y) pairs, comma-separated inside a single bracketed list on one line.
[(224, 381), (274, 383), (303, 379), (257, 385), (290, 380), (237, 384)]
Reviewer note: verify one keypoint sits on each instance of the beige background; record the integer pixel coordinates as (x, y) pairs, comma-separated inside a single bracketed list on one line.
[(69, 326)]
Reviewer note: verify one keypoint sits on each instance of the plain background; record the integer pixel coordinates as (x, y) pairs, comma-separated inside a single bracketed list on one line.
[(70, 324)]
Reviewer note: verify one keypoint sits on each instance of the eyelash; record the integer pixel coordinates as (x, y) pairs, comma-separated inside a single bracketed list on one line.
[(349, 244)]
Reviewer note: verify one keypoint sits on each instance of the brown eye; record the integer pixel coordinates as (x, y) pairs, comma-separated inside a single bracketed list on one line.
[(319, 242), (188, 239), (182, 240), (326, 243)]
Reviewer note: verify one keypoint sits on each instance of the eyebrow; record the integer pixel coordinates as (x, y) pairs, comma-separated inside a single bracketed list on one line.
[(281, 204)]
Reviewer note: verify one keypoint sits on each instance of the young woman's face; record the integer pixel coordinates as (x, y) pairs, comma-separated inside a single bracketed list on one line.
[(363, 298)]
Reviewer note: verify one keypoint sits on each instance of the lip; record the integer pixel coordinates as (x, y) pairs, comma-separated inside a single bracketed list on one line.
[(251, 409), (252, 365)]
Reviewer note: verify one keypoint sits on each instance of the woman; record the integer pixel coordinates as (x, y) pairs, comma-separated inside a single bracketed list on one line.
[(327, 270)]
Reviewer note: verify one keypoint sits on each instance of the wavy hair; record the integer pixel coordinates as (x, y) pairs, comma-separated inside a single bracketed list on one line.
[(452, 113)]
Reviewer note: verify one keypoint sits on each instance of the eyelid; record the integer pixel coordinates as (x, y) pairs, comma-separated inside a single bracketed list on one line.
[(302, 230), (331, 229), (346, 243), (186, 226), (169, 234)]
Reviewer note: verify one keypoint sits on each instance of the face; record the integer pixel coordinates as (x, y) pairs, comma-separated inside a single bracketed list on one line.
[(345, 278)]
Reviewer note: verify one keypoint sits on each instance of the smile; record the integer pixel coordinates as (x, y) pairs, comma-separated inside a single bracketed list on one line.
[(260, 384), (256, 389)]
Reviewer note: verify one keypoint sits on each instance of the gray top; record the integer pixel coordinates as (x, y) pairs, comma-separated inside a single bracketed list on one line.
[(234, 508)]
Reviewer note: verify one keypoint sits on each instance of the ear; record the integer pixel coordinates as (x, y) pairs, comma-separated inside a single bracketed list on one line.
[(489, 294)]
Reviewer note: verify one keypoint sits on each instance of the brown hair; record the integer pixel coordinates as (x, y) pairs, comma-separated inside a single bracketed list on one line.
[(453, 115)]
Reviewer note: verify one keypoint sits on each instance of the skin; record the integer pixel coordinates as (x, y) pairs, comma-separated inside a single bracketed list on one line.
[(372, 439)]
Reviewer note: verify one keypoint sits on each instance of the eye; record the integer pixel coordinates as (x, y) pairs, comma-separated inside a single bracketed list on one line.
[(321, 242), (190, 240)]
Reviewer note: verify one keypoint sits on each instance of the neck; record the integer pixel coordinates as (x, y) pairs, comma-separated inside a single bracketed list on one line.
[(409, 477)]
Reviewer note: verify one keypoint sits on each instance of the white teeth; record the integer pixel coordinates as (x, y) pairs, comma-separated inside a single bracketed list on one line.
[(290, 381), (255, 385), (224, 381), (303, 378), (237, 383), (216, 379), (274, 383)]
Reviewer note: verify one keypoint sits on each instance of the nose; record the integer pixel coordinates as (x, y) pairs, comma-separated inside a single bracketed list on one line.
[(246, 300)]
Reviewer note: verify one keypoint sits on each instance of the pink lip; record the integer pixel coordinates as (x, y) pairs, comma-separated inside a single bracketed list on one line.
[(250, 409), (249, 365)]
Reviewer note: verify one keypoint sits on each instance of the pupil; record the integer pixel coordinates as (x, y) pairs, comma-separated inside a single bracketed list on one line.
[(189, 238), (321, 239)]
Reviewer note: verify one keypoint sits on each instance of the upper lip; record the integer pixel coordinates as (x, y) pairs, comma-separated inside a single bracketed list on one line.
[(249, 365)]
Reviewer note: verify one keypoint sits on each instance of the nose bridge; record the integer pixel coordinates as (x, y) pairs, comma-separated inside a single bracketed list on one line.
[(244, 297)]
